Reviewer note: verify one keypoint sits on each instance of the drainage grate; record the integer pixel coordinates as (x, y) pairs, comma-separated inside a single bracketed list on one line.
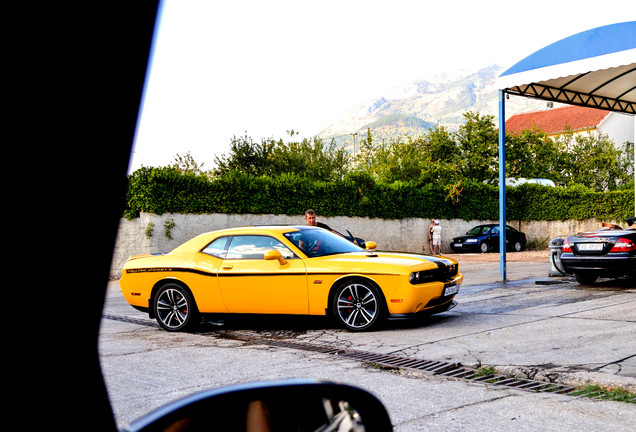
[(448, 369)]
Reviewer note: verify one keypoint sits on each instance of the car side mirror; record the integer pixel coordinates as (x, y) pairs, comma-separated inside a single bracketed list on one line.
[(370, 245), (298, 405), (275, 255)]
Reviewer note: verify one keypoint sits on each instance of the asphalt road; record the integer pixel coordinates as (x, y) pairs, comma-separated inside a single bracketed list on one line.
[(533, 326)]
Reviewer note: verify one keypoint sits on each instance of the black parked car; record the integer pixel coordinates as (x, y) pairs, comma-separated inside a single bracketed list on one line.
[(485, 238), (604, 253)]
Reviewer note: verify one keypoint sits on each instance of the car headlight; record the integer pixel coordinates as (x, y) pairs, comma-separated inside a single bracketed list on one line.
[(421, 277), (471, 241)]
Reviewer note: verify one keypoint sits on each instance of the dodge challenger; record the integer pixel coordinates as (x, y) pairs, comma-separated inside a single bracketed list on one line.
[(297, 270)]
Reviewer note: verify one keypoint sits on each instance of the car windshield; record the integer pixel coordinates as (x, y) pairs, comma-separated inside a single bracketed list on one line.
[(478, 230), (318, 242)]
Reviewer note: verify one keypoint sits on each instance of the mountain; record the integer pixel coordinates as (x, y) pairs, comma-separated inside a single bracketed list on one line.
[(413, 108)]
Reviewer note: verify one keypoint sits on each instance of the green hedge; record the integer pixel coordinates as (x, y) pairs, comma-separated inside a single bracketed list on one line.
[(167, 190)]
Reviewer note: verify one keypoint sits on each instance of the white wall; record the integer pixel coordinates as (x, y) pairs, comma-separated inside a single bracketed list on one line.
[(408, 235), (619, 127)]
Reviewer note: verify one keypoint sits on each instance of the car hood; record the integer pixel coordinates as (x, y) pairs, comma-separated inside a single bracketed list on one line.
[(393, 262)]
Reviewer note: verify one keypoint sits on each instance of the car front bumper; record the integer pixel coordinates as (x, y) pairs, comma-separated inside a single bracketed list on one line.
[(446, 305), (465, 247), (423, 299)]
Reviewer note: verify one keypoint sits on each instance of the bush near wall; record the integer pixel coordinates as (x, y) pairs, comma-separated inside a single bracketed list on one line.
[(167, 190)]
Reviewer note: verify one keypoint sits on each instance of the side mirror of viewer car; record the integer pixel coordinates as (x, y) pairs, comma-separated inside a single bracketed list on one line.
[(275, 255), (293, 405)]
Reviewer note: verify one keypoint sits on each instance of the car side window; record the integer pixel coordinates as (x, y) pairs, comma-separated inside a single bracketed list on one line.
[(495, 230), (217, 248), (254, 247)]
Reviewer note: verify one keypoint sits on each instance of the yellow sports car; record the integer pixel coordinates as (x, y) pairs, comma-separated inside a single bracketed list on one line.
[(287, 270)]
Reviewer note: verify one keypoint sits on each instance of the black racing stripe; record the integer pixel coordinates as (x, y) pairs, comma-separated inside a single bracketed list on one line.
[(259, 274), (303, 274), (351, 273), (169, 270), (228, 274)]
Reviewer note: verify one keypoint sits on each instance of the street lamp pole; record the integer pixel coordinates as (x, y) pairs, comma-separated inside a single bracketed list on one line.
[(354, 144)]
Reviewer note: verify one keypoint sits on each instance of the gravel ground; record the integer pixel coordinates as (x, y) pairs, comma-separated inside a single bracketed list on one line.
[(524, 256)]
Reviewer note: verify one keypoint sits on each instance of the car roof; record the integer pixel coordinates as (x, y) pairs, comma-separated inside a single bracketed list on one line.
[(262, 228), (201, 240), (491, 225)]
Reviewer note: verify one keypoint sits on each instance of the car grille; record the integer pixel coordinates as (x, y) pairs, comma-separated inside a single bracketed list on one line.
[(442, 273), (448, 271)]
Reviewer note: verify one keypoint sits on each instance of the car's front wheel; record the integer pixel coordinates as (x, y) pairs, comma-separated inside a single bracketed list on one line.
[(175, 309), (483, 247), (357, 305)]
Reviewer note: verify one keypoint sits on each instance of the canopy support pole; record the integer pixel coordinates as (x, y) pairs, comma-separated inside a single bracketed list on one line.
[(502, 184)]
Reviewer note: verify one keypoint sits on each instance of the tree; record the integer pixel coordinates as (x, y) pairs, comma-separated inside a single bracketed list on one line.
[(443, 161), (478, 144), (306, 158), (401, 161), (370, 156), (533, 154), (594, 161), (245, 156), (187, 164)]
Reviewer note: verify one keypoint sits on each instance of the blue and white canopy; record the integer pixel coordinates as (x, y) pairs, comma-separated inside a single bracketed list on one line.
[(595, 68)]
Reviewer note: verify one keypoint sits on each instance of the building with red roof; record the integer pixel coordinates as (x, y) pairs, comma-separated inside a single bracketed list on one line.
[(619, 127)]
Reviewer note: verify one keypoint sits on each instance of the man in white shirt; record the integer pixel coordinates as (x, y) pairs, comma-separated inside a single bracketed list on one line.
[(437, 239)]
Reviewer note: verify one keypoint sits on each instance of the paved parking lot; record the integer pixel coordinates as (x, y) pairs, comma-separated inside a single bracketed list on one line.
[(533, 326)]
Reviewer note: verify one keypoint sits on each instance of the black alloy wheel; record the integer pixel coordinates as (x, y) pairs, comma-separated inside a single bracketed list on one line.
[(357, 305), (175, 309)]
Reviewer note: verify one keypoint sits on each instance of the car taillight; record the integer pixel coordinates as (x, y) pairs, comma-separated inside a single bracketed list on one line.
[(623, 245), (566, 246)]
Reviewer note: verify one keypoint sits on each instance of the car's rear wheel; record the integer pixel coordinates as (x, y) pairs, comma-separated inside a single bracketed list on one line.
[(517, 246), (357, 305), (175, 309), (586, 278)]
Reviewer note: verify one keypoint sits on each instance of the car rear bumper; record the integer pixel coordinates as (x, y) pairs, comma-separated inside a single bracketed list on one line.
[(611, 266)]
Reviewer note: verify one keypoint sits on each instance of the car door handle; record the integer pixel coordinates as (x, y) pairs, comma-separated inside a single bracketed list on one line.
[(227, 267)]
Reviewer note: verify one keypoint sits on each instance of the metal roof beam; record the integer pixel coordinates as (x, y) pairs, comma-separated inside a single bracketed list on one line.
[(573, 97)]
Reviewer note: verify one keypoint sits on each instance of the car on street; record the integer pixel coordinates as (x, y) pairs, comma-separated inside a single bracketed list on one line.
[(485, 238), (607, 253), (297, 270)]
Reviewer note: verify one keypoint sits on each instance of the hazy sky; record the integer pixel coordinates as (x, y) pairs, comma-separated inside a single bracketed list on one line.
[(222, 69)]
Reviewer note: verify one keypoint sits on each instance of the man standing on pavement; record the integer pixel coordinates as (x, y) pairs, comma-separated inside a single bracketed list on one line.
[(437, 239), (430, 234)]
